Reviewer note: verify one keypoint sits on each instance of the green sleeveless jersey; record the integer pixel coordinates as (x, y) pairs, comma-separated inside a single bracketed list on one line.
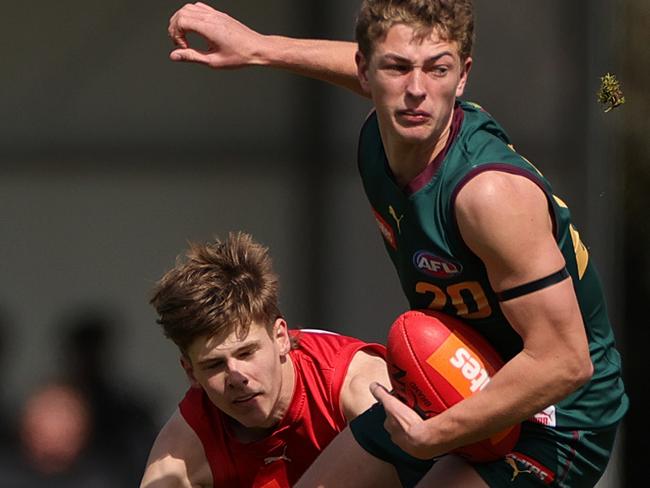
[(438, 271)]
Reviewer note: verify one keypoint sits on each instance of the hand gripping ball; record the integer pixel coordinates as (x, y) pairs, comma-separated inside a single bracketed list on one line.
[(435, 361)]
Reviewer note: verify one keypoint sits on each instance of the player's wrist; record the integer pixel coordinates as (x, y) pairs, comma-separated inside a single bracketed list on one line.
[(277, 52), (266, 51)]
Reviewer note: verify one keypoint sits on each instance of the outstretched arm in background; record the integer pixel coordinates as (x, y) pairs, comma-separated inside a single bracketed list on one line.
[(231, 45)]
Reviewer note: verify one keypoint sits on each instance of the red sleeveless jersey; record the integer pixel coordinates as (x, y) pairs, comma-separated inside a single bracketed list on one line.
[(313, 419)]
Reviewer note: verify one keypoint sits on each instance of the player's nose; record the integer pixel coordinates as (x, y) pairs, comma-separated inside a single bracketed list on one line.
[(415, 83), (236, 376)]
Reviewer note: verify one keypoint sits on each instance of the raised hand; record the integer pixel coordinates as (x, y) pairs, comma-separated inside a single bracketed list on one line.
[(230, 44)]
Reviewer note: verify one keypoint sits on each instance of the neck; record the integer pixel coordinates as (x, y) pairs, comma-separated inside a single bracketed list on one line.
[(286, 390), (407, 160), (248, 434)]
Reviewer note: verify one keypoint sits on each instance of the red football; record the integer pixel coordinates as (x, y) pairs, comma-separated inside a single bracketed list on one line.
[(436, 361)]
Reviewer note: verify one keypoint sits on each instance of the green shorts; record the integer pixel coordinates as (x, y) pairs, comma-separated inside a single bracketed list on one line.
[(542, 457)]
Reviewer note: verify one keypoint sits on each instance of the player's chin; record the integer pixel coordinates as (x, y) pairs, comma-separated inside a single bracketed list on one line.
[(414, 134), (253, 418), (257, 415)]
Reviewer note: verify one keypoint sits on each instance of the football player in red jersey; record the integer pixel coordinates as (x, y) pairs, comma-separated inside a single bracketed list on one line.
[(264, 400)]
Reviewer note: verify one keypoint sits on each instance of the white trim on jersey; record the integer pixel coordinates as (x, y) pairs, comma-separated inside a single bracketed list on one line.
[(318, 331)]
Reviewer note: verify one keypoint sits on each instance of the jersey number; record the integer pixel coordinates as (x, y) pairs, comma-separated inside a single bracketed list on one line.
[(468, 298)]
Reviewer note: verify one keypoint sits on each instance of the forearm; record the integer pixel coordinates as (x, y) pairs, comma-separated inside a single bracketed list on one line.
[(505, 220), (329, 61), (523, 387), (232, 44)]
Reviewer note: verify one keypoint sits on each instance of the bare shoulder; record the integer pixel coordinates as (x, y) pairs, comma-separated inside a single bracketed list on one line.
[(505, 219), (365, 361), (495, 205), (498, 189), (365, 368), (177, 459)]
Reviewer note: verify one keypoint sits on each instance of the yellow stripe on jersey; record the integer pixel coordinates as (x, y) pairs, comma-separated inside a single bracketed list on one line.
[(582, 255), (560, 202)]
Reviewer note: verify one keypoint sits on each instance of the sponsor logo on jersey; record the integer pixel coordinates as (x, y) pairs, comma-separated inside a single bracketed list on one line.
[(281, 457), (433, 265), (386, 230), (546, 417), (521, 464), (398, 220)]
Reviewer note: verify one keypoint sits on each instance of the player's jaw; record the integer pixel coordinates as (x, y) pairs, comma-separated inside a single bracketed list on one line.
[(254, 409)]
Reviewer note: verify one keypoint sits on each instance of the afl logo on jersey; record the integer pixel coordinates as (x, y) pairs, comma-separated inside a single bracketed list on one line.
[(433, 265)]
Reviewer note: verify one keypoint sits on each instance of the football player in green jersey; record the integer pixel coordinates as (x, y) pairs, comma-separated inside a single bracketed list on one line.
[(474, 230)]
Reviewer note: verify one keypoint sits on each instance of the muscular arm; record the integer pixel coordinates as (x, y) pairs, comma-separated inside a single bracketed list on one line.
[(504, 219), (231, 45), (177, 459), (362, 371)]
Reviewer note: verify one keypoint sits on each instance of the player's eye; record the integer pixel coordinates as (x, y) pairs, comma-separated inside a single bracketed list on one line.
[(438, 70), (246, 353), (215, 365), (397, 69)]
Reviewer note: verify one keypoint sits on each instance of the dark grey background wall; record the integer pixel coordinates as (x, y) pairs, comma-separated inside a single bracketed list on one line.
[(112, 157)]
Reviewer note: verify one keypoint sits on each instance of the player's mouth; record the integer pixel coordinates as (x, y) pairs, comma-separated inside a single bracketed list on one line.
[(413, 116), (246, 399)]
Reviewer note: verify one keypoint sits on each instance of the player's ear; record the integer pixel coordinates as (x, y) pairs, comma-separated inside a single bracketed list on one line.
[(186, 364), (465, 68), (362, 70), (281, 335)]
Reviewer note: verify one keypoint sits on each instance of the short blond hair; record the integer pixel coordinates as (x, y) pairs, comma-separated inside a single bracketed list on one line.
[(453, 20)]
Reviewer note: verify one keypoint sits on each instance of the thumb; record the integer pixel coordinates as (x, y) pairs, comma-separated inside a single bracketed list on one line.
[(188, 55)]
